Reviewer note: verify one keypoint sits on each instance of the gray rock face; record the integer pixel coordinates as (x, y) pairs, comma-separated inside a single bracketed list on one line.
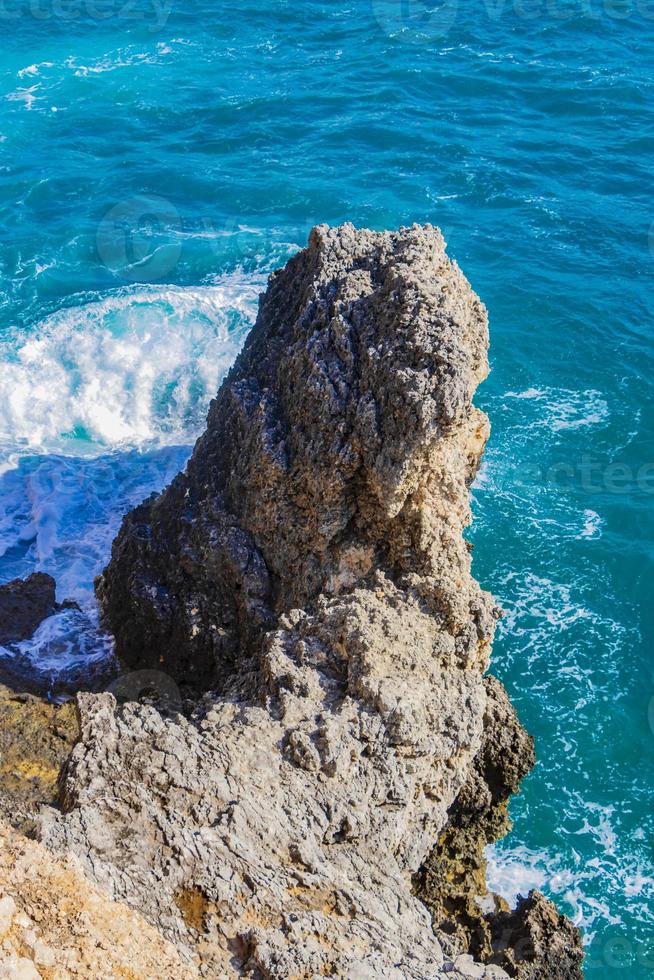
[(310, 568)]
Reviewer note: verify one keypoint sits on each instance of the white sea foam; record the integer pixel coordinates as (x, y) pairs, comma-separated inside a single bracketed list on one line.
[(592, 525), (27, 96), (31, 70), (68, 646), (516, 872), (122, 58), (99, 406), (138, 366), (591, 889), (561, 408), (59, 514)]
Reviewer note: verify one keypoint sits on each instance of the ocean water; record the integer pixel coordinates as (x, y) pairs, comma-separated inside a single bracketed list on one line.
[(158, 158)]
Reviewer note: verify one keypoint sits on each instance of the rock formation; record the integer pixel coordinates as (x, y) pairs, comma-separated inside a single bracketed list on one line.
[(35, 737), (341, 445), (454, 876), (533, 941), (306, 581), (26, 606)]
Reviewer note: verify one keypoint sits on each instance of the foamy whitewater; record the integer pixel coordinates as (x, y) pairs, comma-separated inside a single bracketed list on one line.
[(99, 407), (156, 167)]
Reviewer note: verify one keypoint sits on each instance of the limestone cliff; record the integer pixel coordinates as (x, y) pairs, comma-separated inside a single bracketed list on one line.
[(307, 584)]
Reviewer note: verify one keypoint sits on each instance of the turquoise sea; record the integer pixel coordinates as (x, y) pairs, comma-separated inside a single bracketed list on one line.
[(159, 157)]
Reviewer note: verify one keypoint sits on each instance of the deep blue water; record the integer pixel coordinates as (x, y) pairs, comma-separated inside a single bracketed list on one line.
[(157, 159)]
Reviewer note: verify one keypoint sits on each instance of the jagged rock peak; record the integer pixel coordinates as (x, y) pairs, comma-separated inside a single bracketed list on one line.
[(341, 443)]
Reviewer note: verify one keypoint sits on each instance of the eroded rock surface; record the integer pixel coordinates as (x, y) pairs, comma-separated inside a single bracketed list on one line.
[(452, 882), (56, 925), (308, 572), (535, 941), (341, 444), (36, 738)]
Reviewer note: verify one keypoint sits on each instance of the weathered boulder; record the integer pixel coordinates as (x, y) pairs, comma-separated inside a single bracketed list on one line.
[(309, 573), (535, 941)]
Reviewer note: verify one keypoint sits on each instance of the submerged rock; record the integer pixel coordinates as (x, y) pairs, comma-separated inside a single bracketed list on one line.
[(43, 650), (308, 572)]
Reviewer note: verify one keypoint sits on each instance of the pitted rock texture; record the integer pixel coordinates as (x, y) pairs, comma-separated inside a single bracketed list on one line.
[(534, 941), (340, 444), (453, 879), (309, 572)]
